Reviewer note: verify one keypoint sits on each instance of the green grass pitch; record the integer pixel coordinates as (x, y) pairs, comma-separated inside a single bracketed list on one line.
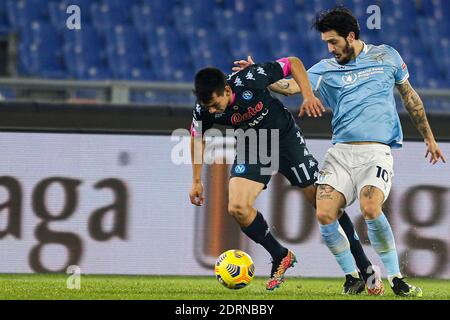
[(54, 286)]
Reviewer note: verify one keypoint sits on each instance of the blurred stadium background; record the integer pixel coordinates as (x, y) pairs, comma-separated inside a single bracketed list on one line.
[(129, 69), (166, 41)]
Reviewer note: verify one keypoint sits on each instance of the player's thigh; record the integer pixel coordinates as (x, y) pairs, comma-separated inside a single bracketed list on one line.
[(329, 203), (243, 192), (378, 173), (297, 164), (337, 176), (371, 200)]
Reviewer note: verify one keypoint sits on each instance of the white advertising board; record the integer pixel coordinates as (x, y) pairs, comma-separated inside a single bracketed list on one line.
[(117, 204)]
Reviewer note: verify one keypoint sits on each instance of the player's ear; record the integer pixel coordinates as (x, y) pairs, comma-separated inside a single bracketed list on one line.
[(228, 91), (351, 37)]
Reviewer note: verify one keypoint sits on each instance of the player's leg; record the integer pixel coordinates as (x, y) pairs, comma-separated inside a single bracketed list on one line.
[(373, 184), (329, 204), (382, 239), (301, 169), (362, 261), (242, 196), (336, 191)]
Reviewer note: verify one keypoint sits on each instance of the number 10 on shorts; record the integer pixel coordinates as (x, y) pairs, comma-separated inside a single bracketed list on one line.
[(382, 173)]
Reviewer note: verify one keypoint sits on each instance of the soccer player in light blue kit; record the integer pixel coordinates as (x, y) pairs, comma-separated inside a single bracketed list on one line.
[(357, 84)]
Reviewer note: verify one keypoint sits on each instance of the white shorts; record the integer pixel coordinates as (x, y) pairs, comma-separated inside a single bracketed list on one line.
[(348, 168)]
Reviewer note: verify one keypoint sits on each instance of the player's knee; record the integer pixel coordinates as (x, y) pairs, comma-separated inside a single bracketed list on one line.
[(370, 210), (238, 209), (325, 217)]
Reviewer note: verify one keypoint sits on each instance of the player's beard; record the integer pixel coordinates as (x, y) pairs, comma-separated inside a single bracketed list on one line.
[(348, 53)]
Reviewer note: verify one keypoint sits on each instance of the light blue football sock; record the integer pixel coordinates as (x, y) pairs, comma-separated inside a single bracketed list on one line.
[(382, 240), (337, 242)]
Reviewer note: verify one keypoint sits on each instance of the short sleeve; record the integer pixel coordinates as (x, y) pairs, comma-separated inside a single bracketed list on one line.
[(315, 76), (401, 69), (200, 122), (262, 75)]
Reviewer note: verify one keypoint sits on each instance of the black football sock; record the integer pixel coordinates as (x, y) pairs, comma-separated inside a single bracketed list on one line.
[(259, 232), (361, 259)]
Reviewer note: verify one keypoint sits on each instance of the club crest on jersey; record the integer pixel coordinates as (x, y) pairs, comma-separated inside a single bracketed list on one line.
[(247, 95), (349, 78), (239, 169)]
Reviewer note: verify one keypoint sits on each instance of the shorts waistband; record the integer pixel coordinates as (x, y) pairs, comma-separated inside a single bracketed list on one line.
[(361, 147)]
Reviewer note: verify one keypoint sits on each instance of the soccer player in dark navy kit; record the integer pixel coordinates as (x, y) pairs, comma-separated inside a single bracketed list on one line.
[(243, 101)]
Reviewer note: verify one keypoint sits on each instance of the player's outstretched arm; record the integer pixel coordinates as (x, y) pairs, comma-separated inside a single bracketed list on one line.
[(285, 87), (311, 105), (414, 105), (196, 193)]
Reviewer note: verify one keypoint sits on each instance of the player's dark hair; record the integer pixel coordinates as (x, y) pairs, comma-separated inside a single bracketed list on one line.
[(207, 82), (339, 19)]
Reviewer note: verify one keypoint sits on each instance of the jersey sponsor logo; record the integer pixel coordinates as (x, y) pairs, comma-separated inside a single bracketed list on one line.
[(247, 95), (251, 112), (239, 169), (259, 119), (249, 76), (349, 78)]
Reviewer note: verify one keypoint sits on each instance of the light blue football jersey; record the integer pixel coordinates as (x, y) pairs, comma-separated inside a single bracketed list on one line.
[(361, 95)]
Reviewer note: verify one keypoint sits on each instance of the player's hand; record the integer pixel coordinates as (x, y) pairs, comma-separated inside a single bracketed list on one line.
[(196, 194), (434, 151), (242, 64), (312, 107)]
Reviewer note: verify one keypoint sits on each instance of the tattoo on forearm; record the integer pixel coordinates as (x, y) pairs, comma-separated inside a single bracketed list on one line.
[(325, 192), (283, 84), (415, 108)]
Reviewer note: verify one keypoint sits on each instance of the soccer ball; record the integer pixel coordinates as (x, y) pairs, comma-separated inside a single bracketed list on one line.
[(234, 269)]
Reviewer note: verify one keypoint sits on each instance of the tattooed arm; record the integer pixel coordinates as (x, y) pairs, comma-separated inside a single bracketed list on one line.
[(414, 105), (285, 87)]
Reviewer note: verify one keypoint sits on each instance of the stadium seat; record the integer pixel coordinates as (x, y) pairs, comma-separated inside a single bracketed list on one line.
[(208, 49), (188, 20), (282, 7), (400, 9), (168, 40), (22, 12), (229, 23), (435, 8), (5, 27), (274, 23), (42, 61), (104, 16), (146, 18)]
